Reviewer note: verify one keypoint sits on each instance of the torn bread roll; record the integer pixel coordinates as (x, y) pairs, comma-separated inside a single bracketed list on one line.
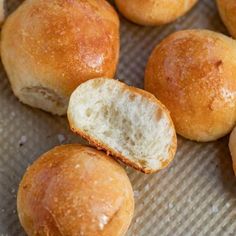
[(49, 47), (127, 122), (75, 190), (193, 73), (157, 12), (227, 10), (232, 148)]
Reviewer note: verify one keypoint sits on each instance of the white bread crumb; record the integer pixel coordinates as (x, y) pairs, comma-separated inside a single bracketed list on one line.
[(130, 121)]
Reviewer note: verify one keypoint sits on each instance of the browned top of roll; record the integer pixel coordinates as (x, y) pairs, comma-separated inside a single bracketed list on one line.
[(61, 42), (75, 190), (154, 12), (193, 73)]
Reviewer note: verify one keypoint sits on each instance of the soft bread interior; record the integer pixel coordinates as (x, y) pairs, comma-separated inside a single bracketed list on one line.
[(126, 121)]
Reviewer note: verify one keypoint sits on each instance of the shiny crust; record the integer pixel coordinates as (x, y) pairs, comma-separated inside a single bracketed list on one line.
[(158, 12), (227, 9), (193, 73), (59, 44), (101, 146), (70, 189)]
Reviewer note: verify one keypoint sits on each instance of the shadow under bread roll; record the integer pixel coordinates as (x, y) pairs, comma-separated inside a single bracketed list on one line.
[(49, 47), (75, 190), (154, 12), (193, 73)]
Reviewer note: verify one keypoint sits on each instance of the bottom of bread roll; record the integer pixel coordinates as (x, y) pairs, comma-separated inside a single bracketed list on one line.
[(75, 190), (43, 98)]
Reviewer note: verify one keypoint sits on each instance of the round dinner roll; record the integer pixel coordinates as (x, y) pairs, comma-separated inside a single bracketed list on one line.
[(227, 9), (193, 73), (2, 11), (157, 12), (232, 148), (49, 47), (75, 190)]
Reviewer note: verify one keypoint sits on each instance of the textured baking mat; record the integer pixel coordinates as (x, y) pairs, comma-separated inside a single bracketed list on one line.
[(195, 196)]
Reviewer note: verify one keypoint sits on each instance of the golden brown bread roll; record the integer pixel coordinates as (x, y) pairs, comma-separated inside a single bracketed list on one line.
[(49, 47), (2, 11), (154, 12), (193, 73), (227, 9), (232, 148), (75, 190), (127, 122)]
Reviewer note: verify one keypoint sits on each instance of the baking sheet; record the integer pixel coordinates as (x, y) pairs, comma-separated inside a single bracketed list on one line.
[(196, 195)]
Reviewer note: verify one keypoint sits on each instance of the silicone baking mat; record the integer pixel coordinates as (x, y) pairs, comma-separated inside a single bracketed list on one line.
[(196, 195)]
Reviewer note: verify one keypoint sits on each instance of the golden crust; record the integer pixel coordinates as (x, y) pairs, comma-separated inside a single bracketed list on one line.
[(232, 148), (59, 44), (70, 191), (227, 9), (193, 73), (148, 12), (100, 145)]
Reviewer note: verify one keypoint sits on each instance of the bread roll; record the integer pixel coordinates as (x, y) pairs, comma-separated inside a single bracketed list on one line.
[(193, 73), (154, 12), (2, 11), (49, 47), (127, 122), (227, 9), (232, 148), (75, 190)]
